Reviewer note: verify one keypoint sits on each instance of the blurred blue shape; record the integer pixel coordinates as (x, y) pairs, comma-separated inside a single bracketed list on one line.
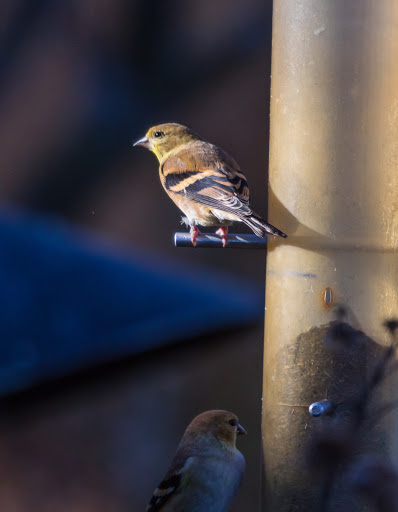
[(67, 301)]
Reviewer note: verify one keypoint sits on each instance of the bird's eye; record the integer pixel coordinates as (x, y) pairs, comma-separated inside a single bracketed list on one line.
[(158, 134), (233, 422)]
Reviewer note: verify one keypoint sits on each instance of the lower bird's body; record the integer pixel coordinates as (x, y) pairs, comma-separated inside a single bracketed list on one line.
[(207, 469), (226, 471)]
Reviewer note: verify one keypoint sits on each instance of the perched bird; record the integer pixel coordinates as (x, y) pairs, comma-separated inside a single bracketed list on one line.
[(203, 181), (207, 469)]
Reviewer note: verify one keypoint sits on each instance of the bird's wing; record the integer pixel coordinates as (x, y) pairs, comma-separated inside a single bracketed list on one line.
[(173, 483), (209, 176)]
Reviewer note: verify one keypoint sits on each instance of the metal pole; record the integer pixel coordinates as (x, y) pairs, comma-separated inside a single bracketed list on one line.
[(333, 188)]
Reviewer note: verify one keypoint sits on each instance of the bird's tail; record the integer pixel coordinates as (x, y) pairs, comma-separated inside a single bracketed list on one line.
[(260, 227)]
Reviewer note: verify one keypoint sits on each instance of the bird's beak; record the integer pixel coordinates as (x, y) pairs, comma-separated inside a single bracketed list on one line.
[(144, 142), (241, 431)]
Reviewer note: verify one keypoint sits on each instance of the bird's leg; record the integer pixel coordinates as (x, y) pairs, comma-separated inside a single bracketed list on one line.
[(194, 234), (223, 232)]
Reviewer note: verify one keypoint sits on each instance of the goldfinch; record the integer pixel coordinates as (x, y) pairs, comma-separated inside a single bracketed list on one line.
[(207, 469), (203, 181)]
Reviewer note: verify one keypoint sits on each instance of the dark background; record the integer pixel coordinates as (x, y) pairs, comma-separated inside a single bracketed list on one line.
[(79, 82)]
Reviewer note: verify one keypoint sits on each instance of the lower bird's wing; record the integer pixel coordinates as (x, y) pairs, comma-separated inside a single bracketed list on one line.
[(207, 175), (172, 486)]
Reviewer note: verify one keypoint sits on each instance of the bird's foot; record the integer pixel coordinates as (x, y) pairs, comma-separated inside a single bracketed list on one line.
[(194, 234), (223, 232)]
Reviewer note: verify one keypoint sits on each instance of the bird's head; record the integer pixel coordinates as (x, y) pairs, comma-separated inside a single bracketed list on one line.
[(221, 425), (164, 138)]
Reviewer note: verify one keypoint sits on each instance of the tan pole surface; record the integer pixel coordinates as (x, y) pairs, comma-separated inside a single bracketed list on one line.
[(333, 188)]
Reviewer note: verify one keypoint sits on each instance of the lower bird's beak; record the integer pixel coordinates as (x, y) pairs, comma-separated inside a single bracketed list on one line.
[(241, 431), (144, 142)]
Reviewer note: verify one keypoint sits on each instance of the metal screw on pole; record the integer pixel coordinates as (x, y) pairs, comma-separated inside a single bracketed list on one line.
[(320, 408)]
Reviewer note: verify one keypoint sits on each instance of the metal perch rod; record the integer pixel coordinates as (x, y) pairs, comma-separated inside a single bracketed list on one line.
[(214, 241)]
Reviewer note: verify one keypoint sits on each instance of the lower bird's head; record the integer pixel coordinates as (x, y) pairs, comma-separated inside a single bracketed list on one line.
[(164, 138), (217, 424)]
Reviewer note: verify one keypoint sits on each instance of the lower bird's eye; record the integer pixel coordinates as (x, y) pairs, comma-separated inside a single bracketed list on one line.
[(158, 134), (233, 422)]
